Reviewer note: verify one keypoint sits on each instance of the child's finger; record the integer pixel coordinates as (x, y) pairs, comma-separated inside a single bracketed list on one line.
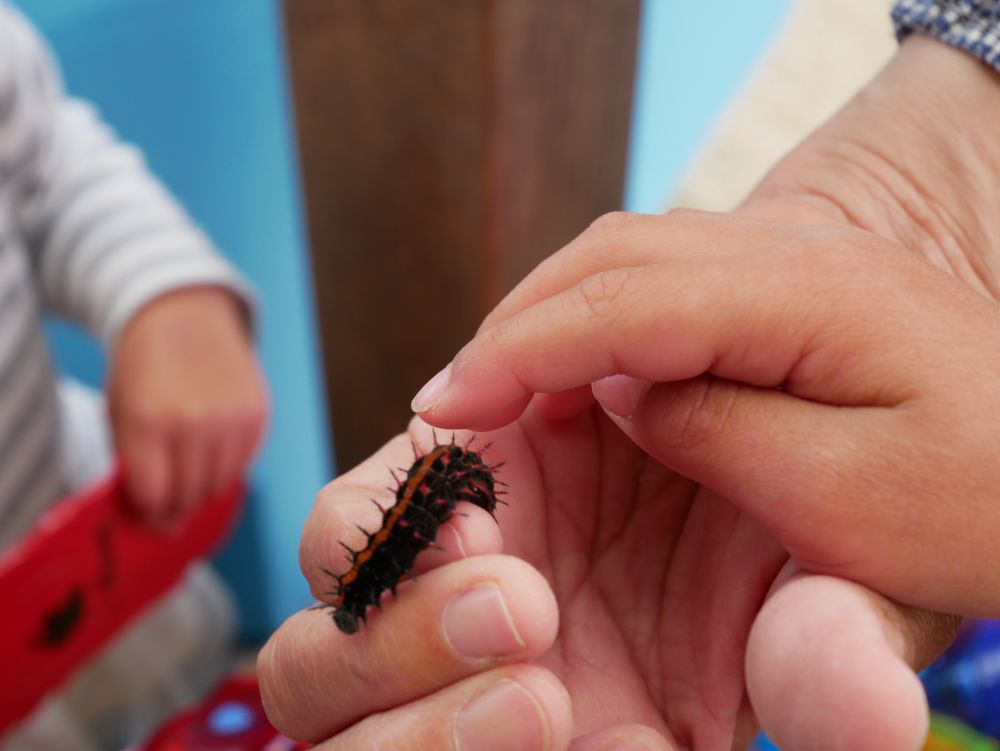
[(863, 494), (453, 622), (821, 327), (148, 469), (621, 239), (856, 651), (194, 453), (788, 462)]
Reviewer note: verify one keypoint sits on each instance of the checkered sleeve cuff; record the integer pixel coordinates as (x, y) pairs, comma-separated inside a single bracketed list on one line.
[(970, 25)]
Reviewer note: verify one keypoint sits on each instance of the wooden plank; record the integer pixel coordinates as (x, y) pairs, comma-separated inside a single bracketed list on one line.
[(447, 146)]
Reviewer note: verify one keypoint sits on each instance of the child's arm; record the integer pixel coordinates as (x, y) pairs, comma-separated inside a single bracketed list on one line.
[(114, 252)]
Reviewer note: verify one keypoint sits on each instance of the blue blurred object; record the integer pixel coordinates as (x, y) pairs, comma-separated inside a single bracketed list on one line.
[(692, 58), (201, 87), (965, 682), (762, 743)]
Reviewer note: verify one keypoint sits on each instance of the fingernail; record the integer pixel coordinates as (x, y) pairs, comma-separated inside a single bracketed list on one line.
[(619, 395), (478, 624), (432, 391), (459, 545), (505, 717)]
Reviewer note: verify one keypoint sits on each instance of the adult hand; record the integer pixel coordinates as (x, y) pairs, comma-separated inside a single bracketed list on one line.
[(615, 609), (188, 403)]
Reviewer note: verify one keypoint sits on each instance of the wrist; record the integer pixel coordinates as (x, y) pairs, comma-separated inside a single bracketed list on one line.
[(913, 158), (194, 317)]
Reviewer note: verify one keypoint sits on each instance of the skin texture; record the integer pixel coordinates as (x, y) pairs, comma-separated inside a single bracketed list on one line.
[(734, 444), (187, 400)]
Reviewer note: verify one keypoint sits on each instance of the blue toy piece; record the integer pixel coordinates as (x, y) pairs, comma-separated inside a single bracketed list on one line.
[(965, 682)]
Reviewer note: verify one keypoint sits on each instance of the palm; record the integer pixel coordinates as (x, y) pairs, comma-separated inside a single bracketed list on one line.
[(658, 580)]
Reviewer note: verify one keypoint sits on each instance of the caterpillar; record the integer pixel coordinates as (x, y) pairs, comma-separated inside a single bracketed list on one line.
[(425, 499)]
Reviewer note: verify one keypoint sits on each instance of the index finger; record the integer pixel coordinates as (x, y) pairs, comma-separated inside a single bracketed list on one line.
[(623, 239), (831, 301)]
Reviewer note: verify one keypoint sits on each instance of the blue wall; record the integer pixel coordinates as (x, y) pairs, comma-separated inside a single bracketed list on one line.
[(201, 87), (692, 58)]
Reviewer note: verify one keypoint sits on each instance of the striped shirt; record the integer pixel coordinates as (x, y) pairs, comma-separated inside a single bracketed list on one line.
[(85, 233)]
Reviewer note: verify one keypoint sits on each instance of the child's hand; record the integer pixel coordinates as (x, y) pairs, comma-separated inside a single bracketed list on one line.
[(188, 402), (835, 388)]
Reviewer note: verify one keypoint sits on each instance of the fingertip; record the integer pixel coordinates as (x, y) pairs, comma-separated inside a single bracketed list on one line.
[(290, 680), (481, 412), (619, 395), (432, 392), (147, 488), (478, 398), (821, 671)]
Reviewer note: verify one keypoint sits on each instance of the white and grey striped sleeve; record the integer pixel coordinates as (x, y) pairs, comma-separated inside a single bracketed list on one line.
[(105, 237)]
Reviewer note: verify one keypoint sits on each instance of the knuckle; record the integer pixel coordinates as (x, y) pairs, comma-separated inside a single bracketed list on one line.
[(833, 252), (142, 417), (610, 232), (706, 409), (251, 424), (160, 419), (679, 214), (197, 417), (603, 292), (612, 222)]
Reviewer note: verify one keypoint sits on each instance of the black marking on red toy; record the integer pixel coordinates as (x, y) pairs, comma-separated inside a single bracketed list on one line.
[(61, 621), (425, 499)]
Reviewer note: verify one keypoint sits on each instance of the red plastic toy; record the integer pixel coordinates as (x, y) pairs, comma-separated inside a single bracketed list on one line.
[(88, 568), (231, 719)]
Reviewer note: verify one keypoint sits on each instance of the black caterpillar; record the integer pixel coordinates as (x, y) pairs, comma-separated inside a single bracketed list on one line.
[(425, 500)]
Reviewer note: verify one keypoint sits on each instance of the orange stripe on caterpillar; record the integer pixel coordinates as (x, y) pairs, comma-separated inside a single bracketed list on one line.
[(425, 499), (391, 518)]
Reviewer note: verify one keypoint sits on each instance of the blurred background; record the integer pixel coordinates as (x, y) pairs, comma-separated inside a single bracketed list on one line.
[(384, 172)]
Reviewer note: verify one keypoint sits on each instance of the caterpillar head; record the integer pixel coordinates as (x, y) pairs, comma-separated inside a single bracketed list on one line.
[(346, 621)]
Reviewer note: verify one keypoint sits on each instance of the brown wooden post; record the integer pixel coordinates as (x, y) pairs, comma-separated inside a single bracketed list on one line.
[(447, 146)]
